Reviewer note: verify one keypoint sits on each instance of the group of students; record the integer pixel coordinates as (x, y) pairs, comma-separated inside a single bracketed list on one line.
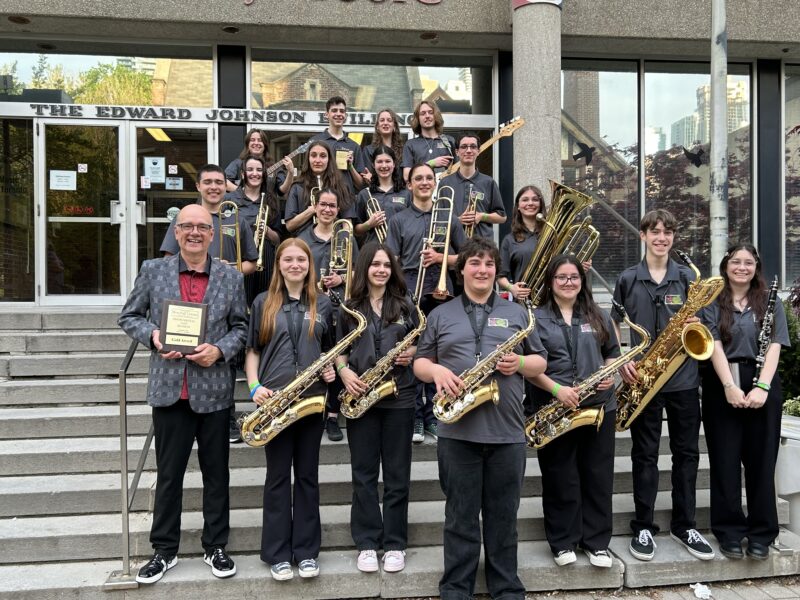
[(482, 456)]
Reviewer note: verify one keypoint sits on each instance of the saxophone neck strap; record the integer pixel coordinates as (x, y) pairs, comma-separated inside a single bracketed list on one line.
[(570, 333), (477, 329), (294, 311)]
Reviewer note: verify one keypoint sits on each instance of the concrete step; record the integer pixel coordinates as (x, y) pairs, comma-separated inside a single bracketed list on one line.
[(77, 363), (113, 340), (55, 318), (339, 578), (70, 421), (32, 495), (96, 536)]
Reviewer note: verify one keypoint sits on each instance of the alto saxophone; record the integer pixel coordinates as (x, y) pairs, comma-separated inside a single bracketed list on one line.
[(555, 419), (449, 409), (670, 349), (287, 406), (379, 386)]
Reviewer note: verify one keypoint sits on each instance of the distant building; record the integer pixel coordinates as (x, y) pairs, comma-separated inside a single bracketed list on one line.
[(683, 132), (655, 140)]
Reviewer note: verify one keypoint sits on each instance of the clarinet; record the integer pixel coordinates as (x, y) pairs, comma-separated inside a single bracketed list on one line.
[(767, 324)]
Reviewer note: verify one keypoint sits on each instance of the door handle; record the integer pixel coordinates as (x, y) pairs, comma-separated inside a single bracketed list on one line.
[(116, 212), (141, 213)]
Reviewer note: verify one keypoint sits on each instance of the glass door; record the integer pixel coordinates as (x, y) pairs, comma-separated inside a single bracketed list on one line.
[(81, 214)]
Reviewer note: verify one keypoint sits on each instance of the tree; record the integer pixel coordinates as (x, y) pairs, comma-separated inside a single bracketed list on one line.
[(39, 73), (113, 84), (15, 86)]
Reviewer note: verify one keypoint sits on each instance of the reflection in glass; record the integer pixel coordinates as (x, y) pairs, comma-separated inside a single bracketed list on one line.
[(97, 79), (82, 258), (792, 167), (677, 132), (599, 153), (16, 211)]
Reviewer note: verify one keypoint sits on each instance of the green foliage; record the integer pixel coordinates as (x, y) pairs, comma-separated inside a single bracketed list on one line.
[(16, 84), (113, 84), (792, 407), (789, 366)]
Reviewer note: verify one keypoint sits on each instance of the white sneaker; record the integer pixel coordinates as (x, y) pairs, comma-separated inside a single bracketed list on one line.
[(394, 561), (565, 557), (600, 558), (367, 561)]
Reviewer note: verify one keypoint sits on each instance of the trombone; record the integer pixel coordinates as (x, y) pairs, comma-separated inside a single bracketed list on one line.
[(341, 254), (260, 234), (313, 196), (374, 206), (438, 239), (224, 213)]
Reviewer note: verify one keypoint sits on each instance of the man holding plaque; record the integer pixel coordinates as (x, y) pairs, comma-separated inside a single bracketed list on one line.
[(177, 301)]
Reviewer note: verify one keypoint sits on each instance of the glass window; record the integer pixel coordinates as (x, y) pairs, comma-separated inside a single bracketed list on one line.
[(17, 249), (395, 82), (599, 153), (792, 166), (105, 79), (676, 146)]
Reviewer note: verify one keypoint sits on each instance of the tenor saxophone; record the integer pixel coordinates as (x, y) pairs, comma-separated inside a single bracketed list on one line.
[(287, 406), (670, 349), (449, 409), (379, 386), (554, 419)]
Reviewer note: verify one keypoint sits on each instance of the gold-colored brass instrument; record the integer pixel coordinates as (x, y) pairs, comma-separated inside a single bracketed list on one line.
[(260, 234), (472, 206), (438, 239), (670, 349), (379, 386), (341, 260), (374, 206), (287, 406), (226, 209), (554, 419), (312, 197), (560, 235), (449, 409)]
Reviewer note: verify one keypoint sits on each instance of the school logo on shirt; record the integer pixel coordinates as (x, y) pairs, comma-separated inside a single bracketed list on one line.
[(492, 322), (673, 299), (586, 328), (440, 230), (228, 230), (307, 317), (439, 144), (398, 200)]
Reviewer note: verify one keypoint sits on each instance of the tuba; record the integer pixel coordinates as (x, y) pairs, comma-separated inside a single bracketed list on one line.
[(379, 386), (561, 235), (374, 206), (232, 209), (287, 406), (260, 234), (449, 409), (554, 419), (439, 239), (670, 349)]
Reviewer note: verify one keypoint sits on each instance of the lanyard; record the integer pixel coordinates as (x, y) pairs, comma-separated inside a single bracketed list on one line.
[(294, 320), (377, 326), (571, 339), (469, 308)]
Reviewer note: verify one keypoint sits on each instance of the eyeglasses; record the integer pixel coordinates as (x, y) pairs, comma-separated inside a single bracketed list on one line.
[(327, 205), (189, 227), (562, 279), (468, 147)]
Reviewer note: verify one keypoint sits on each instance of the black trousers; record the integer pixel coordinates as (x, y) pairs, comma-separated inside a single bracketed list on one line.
[(380, 439), (332, 402), (480, 480), (176, 427), (683, 421), (424, 403), (577, 481), (739, 437), (291, 523)]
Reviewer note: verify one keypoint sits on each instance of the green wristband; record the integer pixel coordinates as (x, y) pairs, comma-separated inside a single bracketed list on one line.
[(556, 387), (521, 362), (254, 385), (485, 217), (763, 386), (339, 368)]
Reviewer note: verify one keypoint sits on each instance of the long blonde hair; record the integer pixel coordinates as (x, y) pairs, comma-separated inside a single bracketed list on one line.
[(277, 290)]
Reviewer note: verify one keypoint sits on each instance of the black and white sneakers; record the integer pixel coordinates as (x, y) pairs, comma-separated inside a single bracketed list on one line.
[(695, 543), (221, 563), (643, 546), (155, 568)]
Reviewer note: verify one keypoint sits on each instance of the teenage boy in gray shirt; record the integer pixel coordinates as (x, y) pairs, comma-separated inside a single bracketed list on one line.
[(346, 153), (484, 451)]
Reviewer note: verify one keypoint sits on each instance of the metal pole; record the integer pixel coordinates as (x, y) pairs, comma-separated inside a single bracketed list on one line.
[(718, 167)]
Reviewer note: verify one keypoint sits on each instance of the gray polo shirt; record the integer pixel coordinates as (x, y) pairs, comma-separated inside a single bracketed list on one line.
[(248, 210), (515, 256), (234, 169), (378, 340), (421, 149), (248, 246), (368, 152), (745, 329), (391, 201), (297, 201), (280, 362), (652, 304), (449, 340), (590, 355), (487, 193), (343, 143), (321, 252)]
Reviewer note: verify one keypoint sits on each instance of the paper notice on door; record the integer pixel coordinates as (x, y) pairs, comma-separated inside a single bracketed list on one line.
[(63, 180), (155, 168), (174, 183)]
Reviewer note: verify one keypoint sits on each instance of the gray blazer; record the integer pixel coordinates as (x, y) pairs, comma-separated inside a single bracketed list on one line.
[(210, 388)]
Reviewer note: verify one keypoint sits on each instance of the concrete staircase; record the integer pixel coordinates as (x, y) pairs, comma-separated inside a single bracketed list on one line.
[(59, 493)]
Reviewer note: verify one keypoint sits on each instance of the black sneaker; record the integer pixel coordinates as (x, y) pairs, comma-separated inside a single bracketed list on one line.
[(696, 544), (419, 432), (333, 430), (234, 431), (432, 429), (155, 568), (221, 564), (643, 546)]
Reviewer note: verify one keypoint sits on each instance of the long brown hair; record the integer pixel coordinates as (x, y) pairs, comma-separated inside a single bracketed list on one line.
[(277, 292), (330, 179), (272, 201), (394, 298), (518, 229), (584, 301), (438, 120), (756, 294), (397, 139), (246, 150)]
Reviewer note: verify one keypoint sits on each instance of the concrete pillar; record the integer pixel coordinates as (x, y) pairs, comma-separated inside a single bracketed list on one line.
[(536, 31)]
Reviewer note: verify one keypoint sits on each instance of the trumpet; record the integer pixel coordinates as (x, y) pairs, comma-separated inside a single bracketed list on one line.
[(261, 231), (472, 206), (341, 254), (312, 196), (438, 239), (374, 206), (232, 209)]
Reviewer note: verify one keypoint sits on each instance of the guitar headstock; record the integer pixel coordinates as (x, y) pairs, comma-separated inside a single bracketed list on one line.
[(511, 126)]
